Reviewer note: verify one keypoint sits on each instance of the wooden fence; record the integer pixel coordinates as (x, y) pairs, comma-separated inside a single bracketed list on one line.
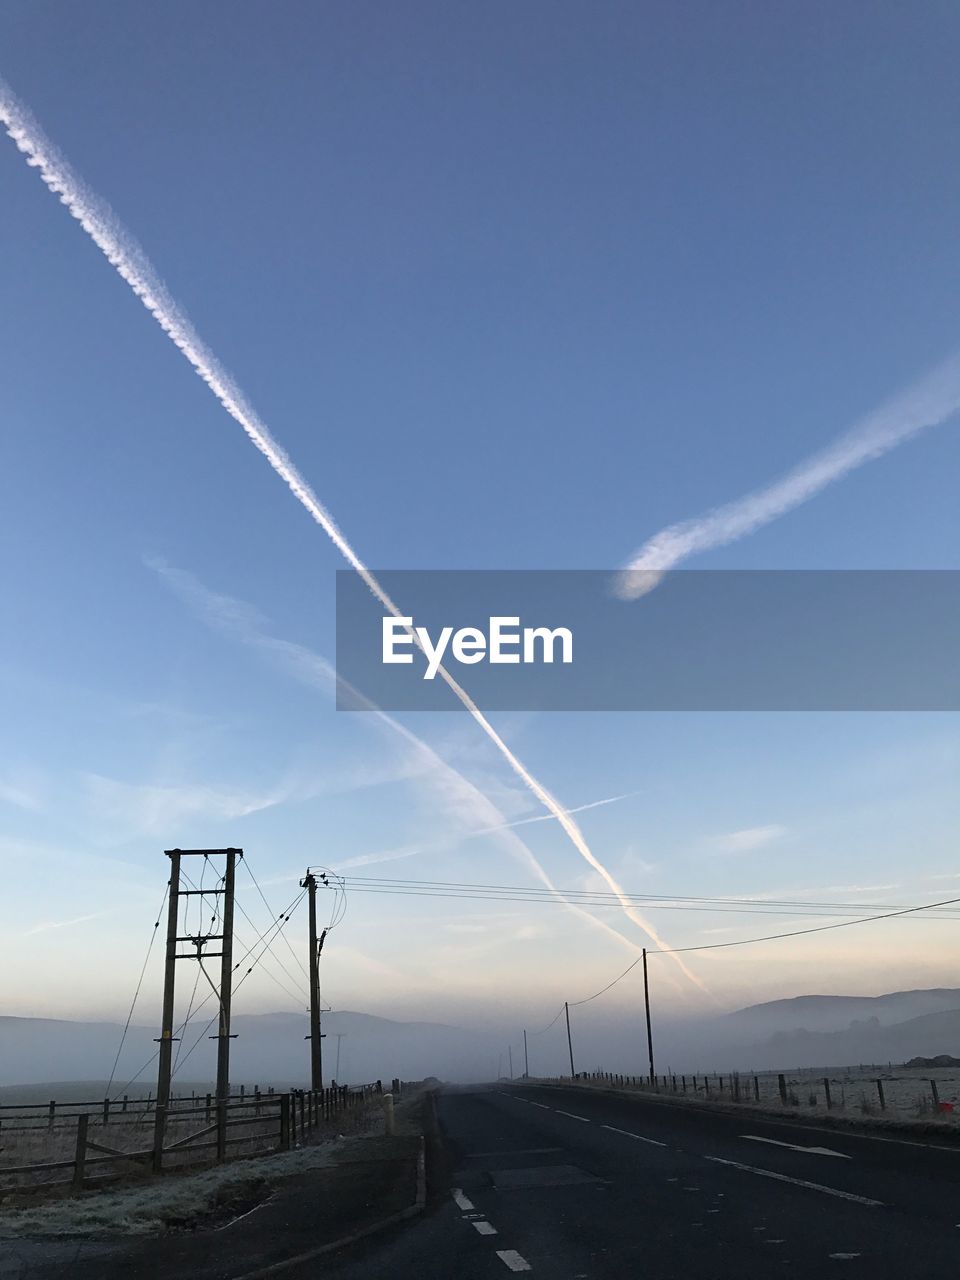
[(271, 1121)]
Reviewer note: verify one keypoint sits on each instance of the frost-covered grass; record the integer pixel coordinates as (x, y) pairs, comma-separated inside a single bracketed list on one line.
[(160, 1203), (157, 1204)]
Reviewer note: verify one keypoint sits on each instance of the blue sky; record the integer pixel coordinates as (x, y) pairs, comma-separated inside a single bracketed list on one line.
[(516, 286)]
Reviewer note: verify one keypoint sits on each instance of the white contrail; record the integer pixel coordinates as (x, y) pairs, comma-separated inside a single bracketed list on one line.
[(411, 850), (123, 253), (242, 623), (927, 403)]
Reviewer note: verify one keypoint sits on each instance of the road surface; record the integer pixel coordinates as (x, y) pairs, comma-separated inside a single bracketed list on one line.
[(566, 1184)]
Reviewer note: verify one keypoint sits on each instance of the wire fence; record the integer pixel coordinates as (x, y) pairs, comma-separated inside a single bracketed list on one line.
[(893, 1093)]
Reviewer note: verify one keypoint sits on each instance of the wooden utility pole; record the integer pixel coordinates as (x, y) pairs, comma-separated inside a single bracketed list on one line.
[(226, 980), (566, 1009), (309, 882), (198, 942), (526, 1059), (646, 1001), (510, 1057), (166, 1022)]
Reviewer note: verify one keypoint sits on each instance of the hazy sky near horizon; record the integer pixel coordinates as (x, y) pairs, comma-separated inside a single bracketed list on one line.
[(515, 286)]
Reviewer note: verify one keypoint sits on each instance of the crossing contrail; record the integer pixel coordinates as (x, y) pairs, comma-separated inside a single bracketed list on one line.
[(133, 266), (927, 403), (238, 621)]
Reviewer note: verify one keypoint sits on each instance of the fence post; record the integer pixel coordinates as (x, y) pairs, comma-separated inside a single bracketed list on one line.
[(936, 1095), (782, 1086), (221, 1130), (256, 1100), (51, 1114), (284, 1122), (125, 1100), (206, 1111), (81, 1156), (756, 1088), (159, 1127), (736, 1088), (106, 1112), (826, 1091), (883, 1102)]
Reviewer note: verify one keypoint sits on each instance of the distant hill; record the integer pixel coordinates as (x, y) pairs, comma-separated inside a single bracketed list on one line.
[(270, 1048), (836, 1013)]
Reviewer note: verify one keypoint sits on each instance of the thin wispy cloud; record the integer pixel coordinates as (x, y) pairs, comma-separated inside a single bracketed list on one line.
[(48, 925), (410, 851), (132, 264), (461, 799), (748, 839), (927, 403)]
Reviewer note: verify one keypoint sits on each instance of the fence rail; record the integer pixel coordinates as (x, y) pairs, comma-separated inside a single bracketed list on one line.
[(273, 1122)]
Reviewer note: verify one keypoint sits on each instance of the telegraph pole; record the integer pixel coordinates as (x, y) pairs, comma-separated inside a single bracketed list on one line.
[(226, 979), (166, 1025), (566, 1009), (198, 942), (510, 1053), (526, 1060), (309, 882), (646, 1001)]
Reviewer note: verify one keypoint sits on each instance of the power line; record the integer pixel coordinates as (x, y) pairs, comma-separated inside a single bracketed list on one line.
[(770, 937), (600, 898), (133, 1003)]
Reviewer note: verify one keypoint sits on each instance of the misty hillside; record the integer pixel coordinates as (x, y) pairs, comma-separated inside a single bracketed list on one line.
[(928, 1035), (836, 1013), (270, 1049)]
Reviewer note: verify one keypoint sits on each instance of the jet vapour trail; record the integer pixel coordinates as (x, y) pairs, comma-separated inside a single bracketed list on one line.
[(132, 264), (238, 621), (927, 403)]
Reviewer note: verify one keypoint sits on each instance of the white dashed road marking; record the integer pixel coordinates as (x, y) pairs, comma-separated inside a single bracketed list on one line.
[(798, 1182), (542, 1105), (810, 1151), (510, 1258), (639, 1136), (460, 1200), (485, 1228), (571, 1116)]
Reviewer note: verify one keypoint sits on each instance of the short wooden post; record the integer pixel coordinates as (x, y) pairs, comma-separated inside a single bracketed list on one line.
[(826, 1091), (782, 1085), (256, 1101), (302, 1111), (736, 1088), (81, 1156), (125, 1100), (206, 1110), (106, 1112), (221, 1130), (285, 1122), (51, 1114), (883, 1101), (756, 1088), (936, 1095)]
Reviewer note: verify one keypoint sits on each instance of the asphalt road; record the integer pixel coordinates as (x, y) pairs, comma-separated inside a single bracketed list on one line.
[(569, 1184)]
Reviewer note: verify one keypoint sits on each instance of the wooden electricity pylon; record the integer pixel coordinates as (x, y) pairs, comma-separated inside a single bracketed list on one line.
[(309, 882), (223, 993)]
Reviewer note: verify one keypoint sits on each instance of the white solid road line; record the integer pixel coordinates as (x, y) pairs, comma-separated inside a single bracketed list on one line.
[(512, 1259), (571, 1116), (791, 1146), (485, 1228), (461, 1200), (798, 1182), (639, 1137)]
